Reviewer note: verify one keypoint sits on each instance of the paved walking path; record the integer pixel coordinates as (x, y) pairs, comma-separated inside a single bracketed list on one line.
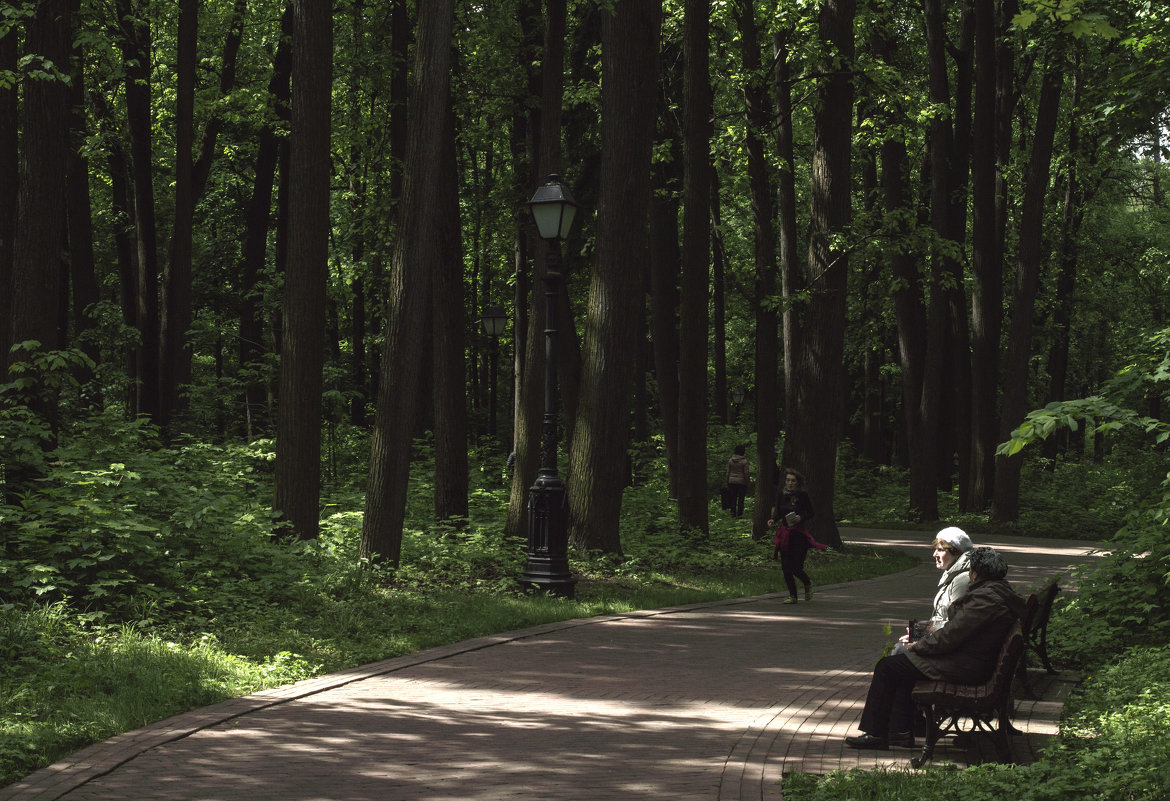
[(712, 701)]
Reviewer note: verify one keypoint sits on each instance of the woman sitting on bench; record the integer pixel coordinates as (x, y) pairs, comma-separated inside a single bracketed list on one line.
[(964, 652)]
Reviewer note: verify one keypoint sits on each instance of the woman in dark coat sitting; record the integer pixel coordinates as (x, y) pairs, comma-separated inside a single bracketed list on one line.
[(964, 651)]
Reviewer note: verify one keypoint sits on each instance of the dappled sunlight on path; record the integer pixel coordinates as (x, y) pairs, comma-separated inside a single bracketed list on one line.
[(712, 701)]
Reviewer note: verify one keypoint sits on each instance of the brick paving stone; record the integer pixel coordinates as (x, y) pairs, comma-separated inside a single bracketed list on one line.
[(710, 701)]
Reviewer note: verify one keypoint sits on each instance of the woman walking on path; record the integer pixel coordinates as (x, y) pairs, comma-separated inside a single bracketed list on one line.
[(792, 510), (739, 475)]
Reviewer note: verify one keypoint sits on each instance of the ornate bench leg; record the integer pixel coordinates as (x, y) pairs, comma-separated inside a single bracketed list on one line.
[(932, 734), (1003, 743)]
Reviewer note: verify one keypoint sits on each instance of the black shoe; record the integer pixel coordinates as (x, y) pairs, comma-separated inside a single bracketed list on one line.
[(902, 739), (868, 741)]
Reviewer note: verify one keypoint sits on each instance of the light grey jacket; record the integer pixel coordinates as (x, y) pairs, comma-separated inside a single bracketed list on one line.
[(952, 586)]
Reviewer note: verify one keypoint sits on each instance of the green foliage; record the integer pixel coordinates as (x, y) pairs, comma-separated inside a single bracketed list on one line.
[(1122, 599), (116, 524), (1114, 746), (1071, 15)]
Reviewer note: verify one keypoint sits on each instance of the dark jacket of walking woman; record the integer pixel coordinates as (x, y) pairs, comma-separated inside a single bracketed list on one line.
[(792, 511)]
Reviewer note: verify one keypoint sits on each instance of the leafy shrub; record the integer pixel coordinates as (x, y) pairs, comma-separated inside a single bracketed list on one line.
[(116, 524), (1122, 598)]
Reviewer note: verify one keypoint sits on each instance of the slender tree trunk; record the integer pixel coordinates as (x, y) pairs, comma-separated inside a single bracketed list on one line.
[(919, 380), (762, 188), (718, 305), (665, 267), (258, 222), (9, 187), (791, 280), (448, 315), (598, 456), (298, 438), (987, 298), (137, 60), (1006, 506), (82, 275), (206, 151), (695, 286), (665, 263), (547, 148), (175, 319), (122, 220), (955, 423), (416, 256), (1072, 215), (815, 425)]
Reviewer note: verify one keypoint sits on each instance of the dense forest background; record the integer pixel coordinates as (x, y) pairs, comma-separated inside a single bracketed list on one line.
[(901, 226)]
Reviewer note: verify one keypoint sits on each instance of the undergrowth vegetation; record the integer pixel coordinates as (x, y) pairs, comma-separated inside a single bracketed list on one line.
[(139, 580)]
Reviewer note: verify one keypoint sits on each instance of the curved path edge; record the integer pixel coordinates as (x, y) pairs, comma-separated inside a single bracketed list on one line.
[(97, 760)]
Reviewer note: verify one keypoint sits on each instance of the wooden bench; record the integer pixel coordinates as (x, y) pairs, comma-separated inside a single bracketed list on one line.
[(1036, 635), (988, 706), (1034, 623)]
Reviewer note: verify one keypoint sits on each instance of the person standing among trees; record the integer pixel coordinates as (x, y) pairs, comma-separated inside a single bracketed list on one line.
[(739, 475), (793, 510)]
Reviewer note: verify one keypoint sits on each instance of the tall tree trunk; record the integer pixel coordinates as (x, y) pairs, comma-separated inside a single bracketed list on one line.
[(175, 317), (35, 303), (9, 188), (1072, 216), (693, 297), (718, 305), (418, 249), (206, 151), (547, 148), (82, 275), (815, 425), (761, 188), (955, 423), (35, 310), (448, 337), (258, 221), (920, 375), (522, 149), (122, 220), (665, 267), (137, 60), (598, 454), (987, 297), (298, 438), (1006, 506), (791, 280), (665, 262)]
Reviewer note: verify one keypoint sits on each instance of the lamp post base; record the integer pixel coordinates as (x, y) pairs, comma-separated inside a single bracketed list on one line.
[(547, 571)]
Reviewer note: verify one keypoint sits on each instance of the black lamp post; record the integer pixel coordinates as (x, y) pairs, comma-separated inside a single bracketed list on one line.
[(493, 320), (547, 570)]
